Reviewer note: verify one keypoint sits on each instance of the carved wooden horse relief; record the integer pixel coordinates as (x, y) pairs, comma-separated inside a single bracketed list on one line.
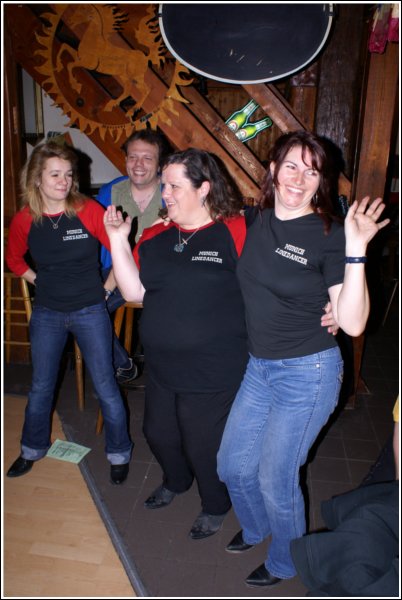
[(98, 52), (101, 49)]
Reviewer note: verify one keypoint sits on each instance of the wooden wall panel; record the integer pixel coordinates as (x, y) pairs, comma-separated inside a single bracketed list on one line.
[(378, 133), (303, 94), (226, 99), (14, 150), (341, 82)]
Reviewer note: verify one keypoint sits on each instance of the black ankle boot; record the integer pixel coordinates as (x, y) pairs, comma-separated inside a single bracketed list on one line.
[(20, 467)]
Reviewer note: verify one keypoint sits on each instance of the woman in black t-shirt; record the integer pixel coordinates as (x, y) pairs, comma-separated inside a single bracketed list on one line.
[(192, 327), (62, 231), (293, 260)]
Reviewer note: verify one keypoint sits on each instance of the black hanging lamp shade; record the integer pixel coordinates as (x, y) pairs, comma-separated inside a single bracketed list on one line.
[(245, 43)]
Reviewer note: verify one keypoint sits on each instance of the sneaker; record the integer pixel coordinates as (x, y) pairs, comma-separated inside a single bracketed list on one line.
[(127, 375)]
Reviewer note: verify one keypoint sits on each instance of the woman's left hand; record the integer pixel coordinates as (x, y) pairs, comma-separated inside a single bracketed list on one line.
[(361, 224), (114, 223), (328, 320)]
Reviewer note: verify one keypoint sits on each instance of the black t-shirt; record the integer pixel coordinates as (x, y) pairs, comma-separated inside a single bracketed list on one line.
[(192, 326), (285, 271), (67, 265), (66, 258)]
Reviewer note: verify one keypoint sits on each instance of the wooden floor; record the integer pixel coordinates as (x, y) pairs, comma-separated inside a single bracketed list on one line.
[(54, 541)]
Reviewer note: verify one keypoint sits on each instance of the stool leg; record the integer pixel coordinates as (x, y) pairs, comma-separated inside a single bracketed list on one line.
[(359, 384), (79, 376), (118, 319), (128, 334), (8, 318), (395, 287), (99, 423)]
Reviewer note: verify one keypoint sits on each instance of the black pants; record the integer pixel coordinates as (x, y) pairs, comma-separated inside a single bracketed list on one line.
[(184, 432)]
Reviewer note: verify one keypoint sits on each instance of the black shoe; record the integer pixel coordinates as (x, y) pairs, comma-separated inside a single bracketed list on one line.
[(118, 473), (261, 577), (159, 498), (20, 467), (124, 376), (238, 544), (206, 525)]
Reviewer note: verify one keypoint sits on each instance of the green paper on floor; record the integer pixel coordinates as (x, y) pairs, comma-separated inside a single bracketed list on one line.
[(68, 451)]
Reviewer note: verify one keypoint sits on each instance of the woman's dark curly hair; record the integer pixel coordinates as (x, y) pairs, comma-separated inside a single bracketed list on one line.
[(321, 161), (224, 198)]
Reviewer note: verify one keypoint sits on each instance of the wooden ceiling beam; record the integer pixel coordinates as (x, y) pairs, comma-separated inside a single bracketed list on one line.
[(185, 129), (281, 112)]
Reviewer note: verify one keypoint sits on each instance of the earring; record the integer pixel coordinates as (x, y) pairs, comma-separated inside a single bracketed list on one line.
[(315, 199)]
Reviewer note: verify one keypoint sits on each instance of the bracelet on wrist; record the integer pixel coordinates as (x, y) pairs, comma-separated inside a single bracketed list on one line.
[(355, 259), (108, 293)]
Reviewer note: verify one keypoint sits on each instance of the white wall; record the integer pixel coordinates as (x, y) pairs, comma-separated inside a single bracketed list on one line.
[(102, 170)]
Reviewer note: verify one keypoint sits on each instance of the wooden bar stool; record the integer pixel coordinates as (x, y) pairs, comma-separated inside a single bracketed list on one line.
[(23, 298), (360, 386), (16, 317), (79, 376), (17, 312), (124, 313)]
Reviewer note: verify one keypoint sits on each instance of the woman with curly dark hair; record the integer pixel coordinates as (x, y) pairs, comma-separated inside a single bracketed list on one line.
[(192, 327)]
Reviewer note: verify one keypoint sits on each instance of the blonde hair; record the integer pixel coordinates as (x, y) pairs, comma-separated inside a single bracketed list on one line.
[(32, 173)]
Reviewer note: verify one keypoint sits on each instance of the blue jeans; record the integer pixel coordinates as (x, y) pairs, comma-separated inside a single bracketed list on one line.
[(278, 412), (92, 329)]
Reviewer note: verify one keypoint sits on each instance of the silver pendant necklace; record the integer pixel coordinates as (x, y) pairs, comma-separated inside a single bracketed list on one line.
[(182, 242), (55, 225)]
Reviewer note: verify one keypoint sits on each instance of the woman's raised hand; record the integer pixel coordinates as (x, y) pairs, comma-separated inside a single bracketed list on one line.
[(114, 223), (124, 268), (361, 224)]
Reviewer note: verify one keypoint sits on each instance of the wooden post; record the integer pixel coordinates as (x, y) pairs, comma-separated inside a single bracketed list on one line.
[(376, 146), (15, 154), (378, 120), (303, 95)]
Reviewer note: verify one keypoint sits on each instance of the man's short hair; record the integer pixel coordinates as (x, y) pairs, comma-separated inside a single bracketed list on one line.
[(151, 136)]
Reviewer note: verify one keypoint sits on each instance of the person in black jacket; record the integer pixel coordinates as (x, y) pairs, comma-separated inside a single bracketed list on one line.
[(359, 555)]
